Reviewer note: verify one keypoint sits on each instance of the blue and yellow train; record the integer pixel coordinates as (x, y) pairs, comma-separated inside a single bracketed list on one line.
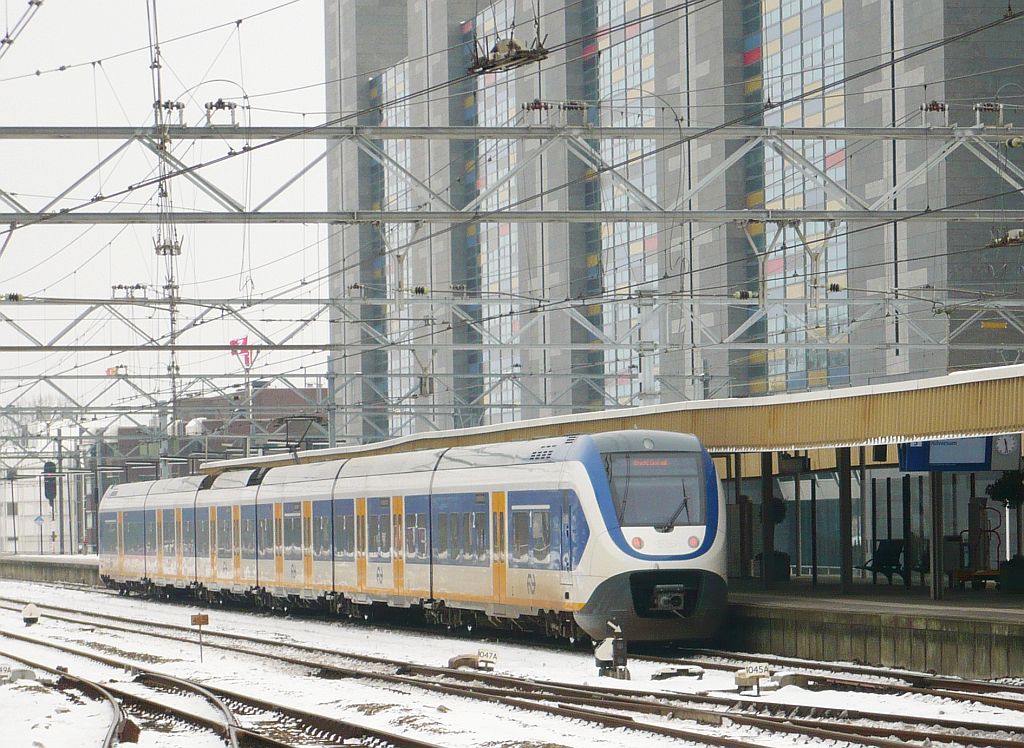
[(560, 535)]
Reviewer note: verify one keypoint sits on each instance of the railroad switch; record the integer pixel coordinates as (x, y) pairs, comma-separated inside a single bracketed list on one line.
[(685, 671)]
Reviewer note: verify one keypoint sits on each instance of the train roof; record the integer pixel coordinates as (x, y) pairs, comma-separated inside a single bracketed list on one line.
[(310, 472), (234, 479)]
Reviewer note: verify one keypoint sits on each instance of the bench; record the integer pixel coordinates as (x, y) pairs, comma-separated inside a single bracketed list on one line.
[(887, 559)]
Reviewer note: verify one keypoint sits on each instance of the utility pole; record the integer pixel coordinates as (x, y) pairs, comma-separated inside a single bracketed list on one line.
[(332, 405), (166, 243), (11, 476), (60, 490)]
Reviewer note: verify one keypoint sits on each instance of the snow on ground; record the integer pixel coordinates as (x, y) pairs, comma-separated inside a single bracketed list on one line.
[(444, 719), (33, 714)]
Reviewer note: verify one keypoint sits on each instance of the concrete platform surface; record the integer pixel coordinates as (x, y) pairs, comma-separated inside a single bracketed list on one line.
[(77, 559), (73, 569), (972, 634)]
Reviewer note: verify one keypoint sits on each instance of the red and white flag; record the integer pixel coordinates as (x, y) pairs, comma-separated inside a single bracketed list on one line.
[(240, 348)]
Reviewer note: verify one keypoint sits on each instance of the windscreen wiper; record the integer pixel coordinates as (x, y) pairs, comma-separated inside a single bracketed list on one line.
[(625, 490), (684, 504)]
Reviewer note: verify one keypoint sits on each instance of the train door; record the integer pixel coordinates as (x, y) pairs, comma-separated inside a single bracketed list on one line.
[(150, 544), (278, 543), (159, 568), (499, 561), (168, 543), (565, 554), (397, 534), (361, 544), (178, 543), (307, 544), (379, 544), (236, 544), (120, 543)]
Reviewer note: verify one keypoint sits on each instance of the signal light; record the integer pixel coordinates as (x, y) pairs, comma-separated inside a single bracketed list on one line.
[(50, 481)]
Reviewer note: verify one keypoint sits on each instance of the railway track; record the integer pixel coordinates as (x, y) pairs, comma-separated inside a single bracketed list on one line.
[(261, 716), (903, 681), (121, 728), (605, 705)]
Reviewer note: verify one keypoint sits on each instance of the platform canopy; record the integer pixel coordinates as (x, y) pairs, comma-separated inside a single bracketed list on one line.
[(982, 402)]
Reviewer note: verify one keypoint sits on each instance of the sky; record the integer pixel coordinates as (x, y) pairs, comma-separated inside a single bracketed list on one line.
[(273, 60)]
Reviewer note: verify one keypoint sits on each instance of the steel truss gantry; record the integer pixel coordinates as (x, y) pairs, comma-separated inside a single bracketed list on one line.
[(440, 314), (979, 140), (137, 393)]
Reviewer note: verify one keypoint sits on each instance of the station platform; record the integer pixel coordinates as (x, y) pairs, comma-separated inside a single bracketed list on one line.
[(76, 569), (972, 633)]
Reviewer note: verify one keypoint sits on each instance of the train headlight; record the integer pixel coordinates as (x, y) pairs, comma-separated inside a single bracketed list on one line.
[(637, 543)]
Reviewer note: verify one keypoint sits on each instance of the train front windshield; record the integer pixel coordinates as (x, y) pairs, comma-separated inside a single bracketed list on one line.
[(662, 490)]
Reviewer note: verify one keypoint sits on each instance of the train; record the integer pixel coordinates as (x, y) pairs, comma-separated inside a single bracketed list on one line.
[(570, 536)]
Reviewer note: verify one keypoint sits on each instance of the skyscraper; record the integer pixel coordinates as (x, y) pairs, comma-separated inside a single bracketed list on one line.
[(489, 319)]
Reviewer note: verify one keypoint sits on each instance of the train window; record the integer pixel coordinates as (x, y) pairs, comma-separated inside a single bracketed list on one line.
[(202, 532), (410, 536), (384, 535), (442, 535), (659, 489), (468, 537), (188, 532), (349, 529), (501, 532), (321, 530), (292, 531), (108, 533), (247, 535), (169, 528), (421, 535), (454, 536), (416, 535), (265, 531), (344, 532), (307, 533), (236, 533), (360, 534), (480, 532), (127, 533), (541, 524), (223, 533), (373, 538), (150, 530), (520, 535), (397, 534)]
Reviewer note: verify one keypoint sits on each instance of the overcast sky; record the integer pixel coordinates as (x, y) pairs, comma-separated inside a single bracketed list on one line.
[(105, 82)]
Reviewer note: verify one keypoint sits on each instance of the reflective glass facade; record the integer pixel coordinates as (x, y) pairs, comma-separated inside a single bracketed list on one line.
[(797, 52), (497, 106), (630, 253), (403, 371)]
